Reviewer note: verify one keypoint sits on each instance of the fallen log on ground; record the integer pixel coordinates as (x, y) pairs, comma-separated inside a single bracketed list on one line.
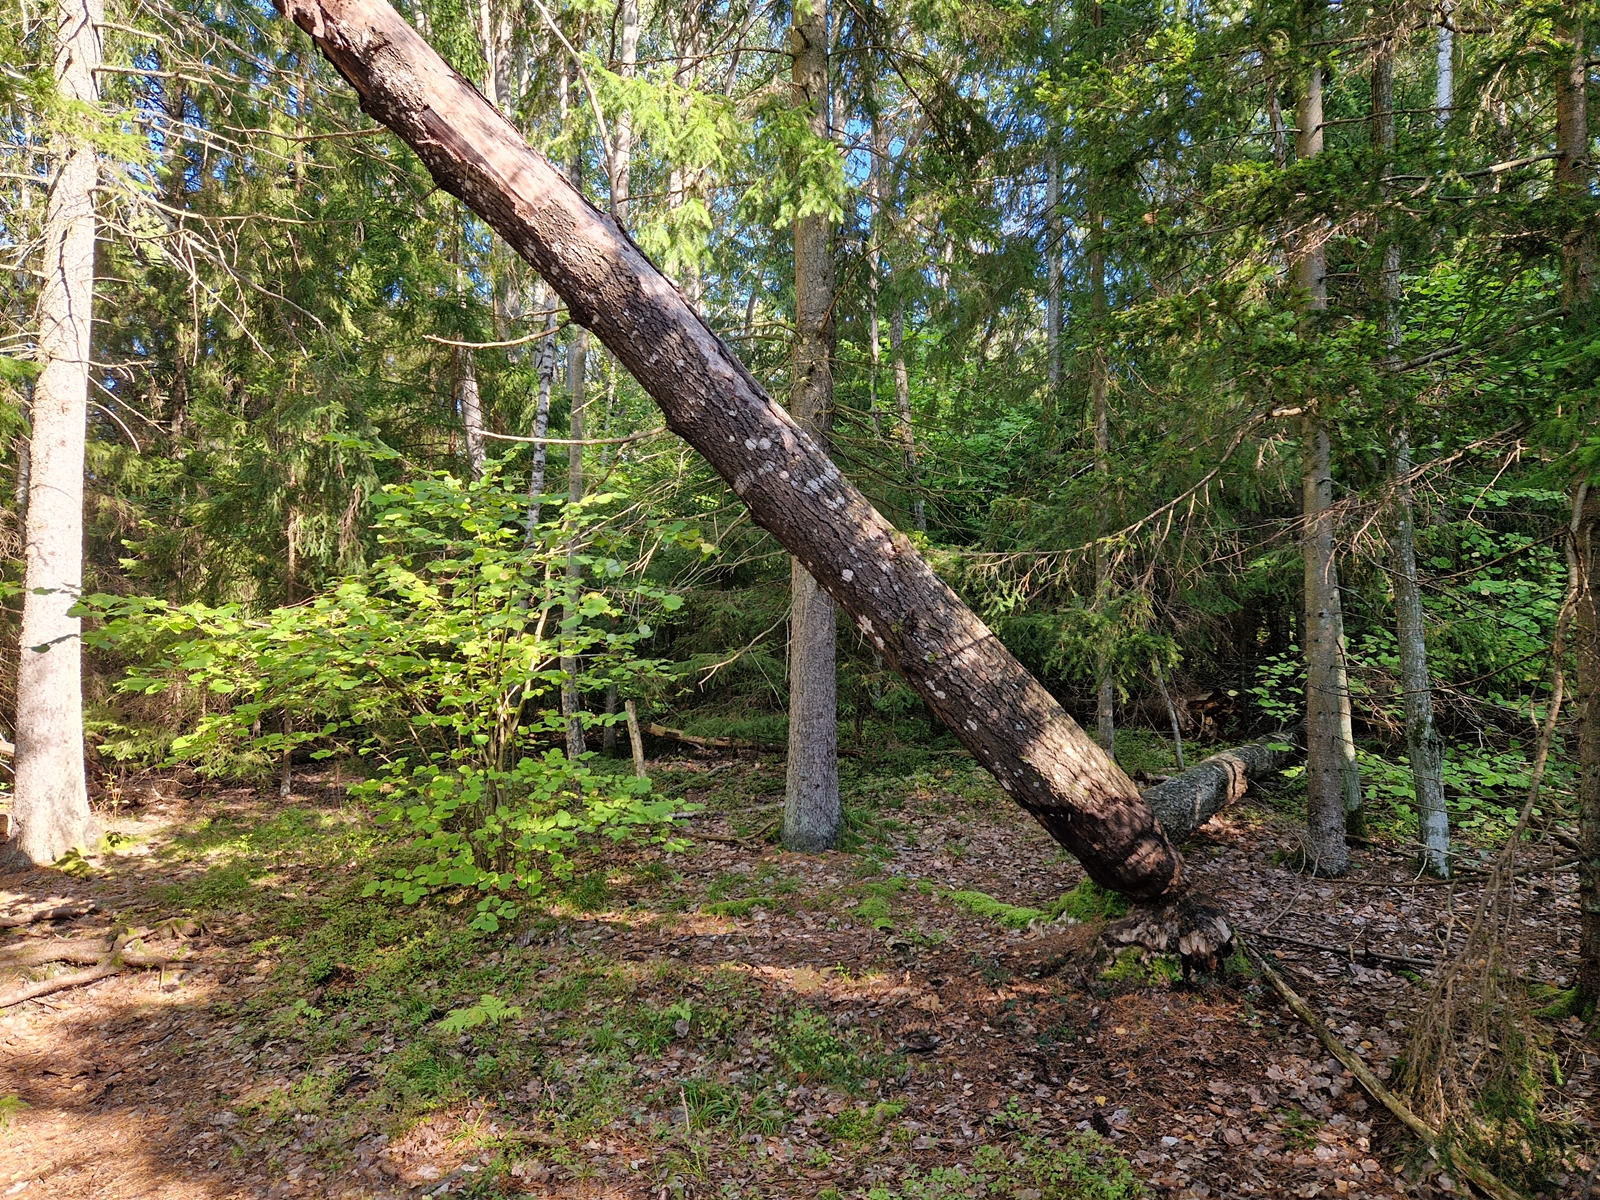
[(1010, 723), (1187, 801), (60, 912)]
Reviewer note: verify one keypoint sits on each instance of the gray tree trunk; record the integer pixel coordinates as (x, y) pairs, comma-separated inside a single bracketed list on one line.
[(952, 660), (1054, 245), (577, 371), (52, 802), (1105, 706), (1326, 686), (812, 816), (1424, 746), (1574, 178), (902, 399)]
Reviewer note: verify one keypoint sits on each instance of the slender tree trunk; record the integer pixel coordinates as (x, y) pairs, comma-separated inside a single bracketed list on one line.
[(1573, 175), (1054, 244), (577, 371), (471, 411), (1444, 79), (952, 660), (879, 146), (1327, 689), (812, 816), (1424, 746), (622, 132), (541, 411), (1586, 559), (1574, 179), (902, 398), (1105, 705), (52, 802)]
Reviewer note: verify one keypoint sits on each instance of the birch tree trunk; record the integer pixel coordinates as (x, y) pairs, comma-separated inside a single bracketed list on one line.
[(1325, 683), (1444, 78), (812, 816), (541, 409), (52, 802), (1424, 746), (471, 411), (1012, 725)]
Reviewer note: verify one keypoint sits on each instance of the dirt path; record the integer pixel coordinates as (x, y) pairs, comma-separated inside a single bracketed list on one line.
[(729, 1021)]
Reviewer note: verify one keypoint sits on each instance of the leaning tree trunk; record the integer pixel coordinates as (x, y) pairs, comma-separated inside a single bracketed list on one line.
[(52, 802), (955, 663)]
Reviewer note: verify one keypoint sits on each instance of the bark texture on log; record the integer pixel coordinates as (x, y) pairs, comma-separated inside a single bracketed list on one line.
[(955, 663), (1187, 801)]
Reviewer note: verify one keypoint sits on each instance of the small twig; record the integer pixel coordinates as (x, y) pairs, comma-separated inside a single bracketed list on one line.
[(550, 331), (1349, 951), (1477, 1173), (555, 441)]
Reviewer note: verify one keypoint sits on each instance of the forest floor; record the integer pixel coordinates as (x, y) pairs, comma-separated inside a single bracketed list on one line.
[(726, 1021)]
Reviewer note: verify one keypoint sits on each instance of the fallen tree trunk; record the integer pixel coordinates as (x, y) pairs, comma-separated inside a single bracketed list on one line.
[(1187, 801), (947, 655)]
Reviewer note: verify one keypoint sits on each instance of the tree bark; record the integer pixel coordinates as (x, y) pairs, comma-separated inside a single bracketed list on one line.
[(577, 369), (622, 133), (1325, 680), (471, 411), (1187, 801), (812, 816), (1424, 746), (1574, 178), (1444, 79), (1054, 244), (52, 801), (1586, 557), (541, 412), (946, 654), (902, 400)]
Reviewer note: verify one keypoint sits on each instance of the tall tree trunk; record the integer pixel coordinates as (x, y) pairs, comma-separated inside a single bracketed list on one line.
[(1424, 746), (1325, 680), (52, 801), (622, 132), (902, 399), (812, 816), (1586, 559), (946, 654), (1054, 245), (878, 145), (1574, 179), (1105, 692), (577, 378)]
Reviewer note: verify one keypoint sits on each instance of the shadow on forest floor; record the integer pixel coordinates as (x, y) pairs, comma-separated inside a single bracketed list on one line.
[(731, 1021)]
